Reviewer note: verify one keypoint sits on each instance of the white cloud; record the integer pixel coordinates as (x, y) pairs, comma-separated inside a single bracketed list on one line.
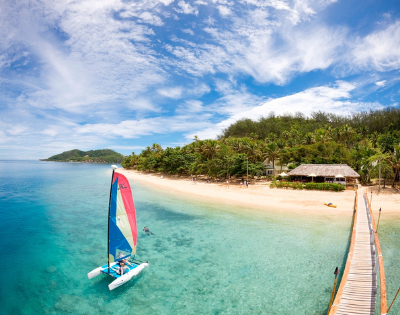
[(334, 99), (16, 130), (126, 147), (264, 48), (174, 92), (129, 129), (166, 2), (199, 90), (379, 50), (191, 106), (188, 31), (186, 8), (224, 10), (142, 104), (147, 17), (380, 83), (103, 60)]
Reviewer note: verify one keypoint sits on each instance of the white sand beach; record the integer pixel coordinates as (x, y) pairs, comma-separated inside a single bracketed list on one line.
[(258, 196)]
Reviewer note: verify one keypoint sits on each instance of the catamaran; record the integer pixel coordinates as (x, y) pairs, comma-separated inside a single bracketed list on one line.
[(122, 233)]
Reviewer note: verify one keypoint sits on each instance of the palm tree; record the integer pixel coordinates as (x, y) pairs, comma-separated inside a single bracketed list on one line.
[(374, 138), (363, 130), (272, 152), (281, 143), (286, 135), (394, 161), (347, 134), (209, 148), (156, 148), (308, 138), (322, 135), (253, 151), (337, 134)]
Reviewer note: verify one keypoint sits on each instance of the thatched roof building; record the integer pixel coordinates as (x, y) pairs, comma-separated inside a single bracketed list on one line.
[(324, 170)]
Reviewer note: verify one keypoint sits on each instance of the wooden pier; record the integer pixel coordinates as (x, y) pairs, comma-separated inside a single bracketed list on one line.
[(357, 292)]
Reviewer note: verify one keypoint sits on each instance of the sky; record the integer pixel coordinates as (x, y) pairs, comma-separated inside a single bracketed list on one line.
[(125, 74)]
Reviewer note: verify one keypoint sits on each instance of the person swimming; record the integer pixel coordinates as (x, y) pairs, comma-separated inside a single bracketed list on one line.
[(147, 231)]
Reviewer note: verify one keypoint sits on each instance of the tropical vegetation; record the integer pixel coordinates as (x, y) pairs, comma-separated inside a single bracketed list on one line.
[(360, 140), (308, 186)]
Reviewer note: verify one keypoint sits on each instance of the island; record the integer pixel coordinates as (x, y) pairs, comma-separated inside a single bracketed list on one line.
[(92, 156)]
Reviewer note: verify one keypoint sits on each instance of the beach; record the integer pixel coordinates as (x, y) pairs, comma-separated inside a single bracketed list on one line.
[(388, 199), (261, 196), (258, 196)]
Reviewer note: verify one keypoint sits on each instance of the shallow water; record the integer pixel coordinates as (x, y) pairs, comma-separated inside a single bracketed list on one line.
[(389, 238), (204, 258)]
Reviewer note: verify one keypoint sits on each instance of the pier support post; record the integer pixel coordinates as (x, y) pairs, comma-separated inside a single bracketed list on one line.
[(393, 300), (379, 217), (372, 237), (336, 272)]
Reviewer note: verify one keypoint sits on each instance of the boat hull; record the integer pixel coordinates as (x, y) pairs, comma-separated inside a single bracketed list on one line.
[(98, 271), (329, 205), (121, 279), (128, 276)]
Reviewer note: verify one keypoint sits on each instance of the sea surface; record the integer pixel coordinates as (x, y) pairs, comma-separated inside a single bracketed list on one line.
[(205, 257)]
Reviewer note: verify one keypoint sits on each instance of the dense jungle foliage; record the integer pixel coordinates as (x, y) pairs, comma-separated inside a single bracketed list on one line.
[(92, 156), (359, 140)]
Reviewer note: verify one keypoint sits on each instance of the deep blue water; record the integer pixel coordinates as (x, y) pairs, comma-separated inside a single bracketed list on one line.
[(205, 258)]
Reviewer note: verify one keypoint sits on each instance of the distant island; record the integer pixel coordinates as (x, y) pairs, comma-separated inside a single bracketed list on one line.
[(92, 156)]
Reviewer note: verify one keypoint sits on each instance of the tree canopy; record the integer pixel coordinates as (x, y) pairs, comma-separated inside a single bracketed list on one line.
[(358, 140)]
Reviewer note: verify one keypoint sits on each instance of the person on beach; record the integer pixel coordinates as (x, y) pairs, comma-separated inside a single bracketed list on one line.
[(147, 231)]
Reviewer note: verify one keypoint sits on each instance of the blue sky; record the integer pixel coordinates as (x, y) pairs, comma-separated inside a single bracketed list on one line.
[(125, 74)]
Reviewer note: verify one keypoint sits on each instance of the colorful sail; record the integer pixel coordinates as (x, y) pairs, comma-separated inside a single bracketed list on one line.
[(122, 233)]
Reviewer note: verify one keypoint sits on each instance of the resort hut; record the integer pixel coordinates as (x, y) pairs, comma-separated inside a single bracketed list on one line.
[(274, 168), (326, 173)]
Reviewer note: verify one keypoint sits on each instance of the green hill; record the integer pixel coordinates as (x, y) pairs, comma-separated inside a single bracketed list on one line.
[(92, 156)]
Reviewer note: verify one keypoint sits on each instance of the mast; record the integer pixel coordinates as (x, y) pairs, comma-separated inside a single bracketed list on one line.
[(108, 226)]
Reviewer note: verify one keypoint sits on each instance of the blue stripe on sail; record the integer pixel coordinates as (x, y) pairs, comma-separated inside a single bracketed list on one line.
[(119, 247), (114, 195)]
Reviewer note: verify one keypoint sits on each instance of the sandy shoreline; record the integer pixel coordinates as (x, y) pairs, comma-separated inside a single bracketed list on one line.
[(258, 196), (263, 197)]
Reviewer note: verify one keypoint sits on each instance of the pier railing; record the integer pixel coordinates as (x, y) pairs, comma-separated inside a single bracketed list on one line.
[(339, 293), (379, 259)]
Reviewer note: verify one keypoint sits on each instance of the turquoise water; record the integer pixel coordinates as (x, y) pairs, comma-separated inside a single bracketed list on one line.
[(205, 258), (389, 236)]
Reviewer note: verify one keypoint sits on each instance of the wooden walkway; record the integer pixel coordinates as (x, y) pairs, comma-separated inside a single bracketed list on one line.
[(358, 288)]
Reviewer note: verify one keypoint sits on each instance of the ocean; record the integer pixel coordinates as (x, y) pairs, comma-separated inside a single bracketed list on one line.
[(205, 257)]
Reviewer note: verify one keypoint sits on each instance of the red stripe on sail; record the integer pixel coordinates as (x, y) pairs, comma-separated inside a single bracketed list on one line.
[(126, 194)]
